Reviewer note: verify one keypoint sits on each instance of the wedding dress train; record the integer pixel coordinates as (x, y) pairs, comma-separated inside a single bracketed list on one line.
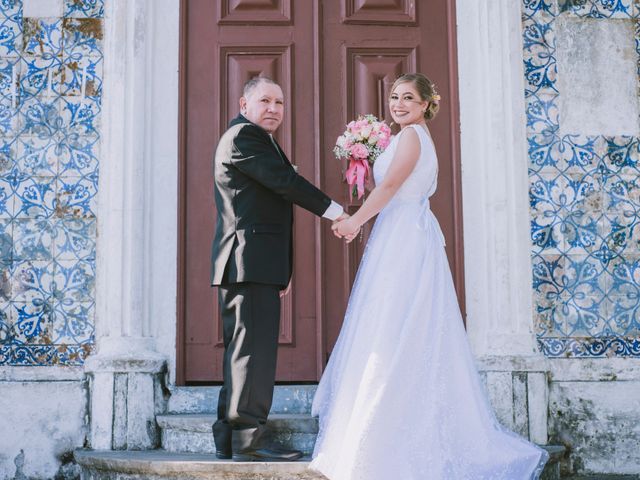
[(401, 397)]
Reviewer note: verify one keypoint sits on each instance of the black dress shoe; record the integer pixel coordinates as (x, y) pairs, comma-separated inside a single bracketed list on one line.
[(222, 439), (223, 454), (267, 454)]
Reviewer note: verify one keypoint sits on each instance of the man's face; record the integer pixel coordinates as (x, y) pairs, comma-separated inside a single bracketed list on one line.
[(264, 106)]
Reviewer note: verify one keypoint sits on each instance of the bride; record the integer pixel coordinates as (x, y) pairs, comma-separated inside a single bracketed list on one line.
[(401, 397)]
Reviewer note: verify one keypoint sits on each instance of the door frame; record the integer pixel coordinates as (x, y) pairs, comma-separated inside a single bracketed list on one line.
[(182, 204), (457, 269)]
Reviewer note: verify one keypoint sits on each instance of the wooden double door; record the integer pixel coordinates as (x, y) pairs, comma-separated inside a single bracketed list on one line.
[(334, 59)]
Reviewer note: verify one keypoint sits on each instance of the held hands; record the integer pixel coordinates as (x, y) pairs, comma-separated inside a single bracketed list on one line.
[(345, 227)]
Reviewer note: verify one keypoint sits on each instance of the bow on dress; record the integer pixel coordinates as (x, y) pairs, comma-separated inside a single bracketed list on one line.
[(428, 221)]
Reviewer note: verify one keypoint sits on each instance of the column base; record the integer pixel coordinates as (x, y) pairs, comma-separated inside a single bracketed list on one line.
[(518, 388), (127, 389)]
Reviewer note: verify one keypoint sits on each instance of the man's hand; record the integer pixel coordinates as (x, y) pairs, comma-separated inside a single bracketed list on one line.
[(350, 238), (346, 229), (344, 216)]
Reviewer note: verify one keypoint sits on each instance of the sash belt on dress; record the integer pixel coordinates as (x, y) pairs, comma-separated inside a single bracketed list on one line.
[(428, 221)]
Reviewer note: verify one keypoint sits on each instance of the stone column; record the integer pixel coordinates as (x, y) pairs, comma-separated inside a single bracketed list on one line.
[(496, 213), (127, 371), (494, 177)]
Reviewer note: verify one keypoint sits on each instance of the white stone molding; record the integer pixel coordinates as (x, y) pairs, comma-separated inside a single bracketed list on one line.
[(136, 251), (520, 401), (41, 374), (137, 223), (125, 396), (518, 389), (494, 178)]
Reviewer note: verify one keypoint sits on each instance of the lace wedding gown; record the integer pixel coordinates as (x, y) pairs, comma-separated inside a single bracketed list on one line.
[(401, 398)]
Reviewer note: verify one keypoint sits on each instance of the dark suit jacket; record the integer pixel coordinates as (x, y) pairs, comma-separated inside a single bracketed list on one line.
[(255, 187)]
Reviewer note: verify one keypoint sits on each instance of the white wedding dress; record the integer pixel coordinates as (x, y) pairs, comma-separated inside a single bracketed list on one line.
[(401, 398)]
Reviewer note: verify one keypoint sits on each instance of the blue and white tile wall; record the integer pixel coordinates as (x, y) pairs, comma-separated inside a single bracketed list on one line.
[(50, 102), (584, 203)]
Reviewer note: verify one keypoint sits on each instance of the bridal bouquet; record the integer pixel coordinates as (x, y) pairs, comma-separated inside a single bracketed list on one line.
[(362, 142)]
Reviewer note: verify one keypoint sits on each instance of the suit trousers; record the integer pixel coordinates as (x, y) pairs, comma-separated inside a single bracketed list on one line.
[(251, 322)]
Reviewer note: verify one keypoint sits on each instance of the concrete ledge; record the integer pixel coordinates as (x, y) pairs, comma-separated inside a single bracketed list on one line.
[(41, 374), (507, 363), (566, 369), (603, 477), (594, 369), (125, 364), (158, 463)]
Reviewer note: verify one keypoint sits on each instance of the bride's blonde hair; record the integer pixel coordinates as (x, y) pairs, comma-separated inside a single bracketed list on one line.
[(426, 89)]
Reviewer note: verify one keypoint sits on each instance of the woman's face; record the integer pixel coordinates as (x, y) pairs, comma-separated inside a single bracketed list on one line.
[(406, 106)]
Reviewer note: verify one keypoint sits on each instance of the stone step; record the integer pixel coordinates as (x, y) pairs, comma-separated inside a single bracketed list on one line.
[(191, 433), (602, 477), (286, 399), (162, 465), (552, 468)]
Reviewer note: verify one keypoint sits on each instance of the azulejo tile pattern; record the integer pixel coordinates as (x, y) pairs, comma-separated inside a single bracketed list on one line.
[(51, 72), (585, 204)]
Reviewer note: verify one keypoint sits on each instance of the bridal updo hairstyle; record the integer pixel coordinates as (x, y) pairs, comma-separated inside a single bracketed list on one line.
[(426, 89)]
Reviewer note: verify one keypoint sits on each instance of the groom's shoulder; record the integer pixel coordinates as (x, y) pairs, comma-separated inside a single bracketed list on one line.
[(229, 141), (239, 137), (241, 123), (246, 130)]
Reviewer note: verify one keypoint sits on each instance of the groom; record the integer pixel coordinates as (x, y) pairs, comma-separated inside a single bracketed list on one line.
[(255, 189)]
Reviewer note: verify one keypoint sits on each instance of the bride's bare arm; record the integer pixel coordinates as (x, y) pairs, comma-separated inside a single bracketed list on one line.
[(403, 163)]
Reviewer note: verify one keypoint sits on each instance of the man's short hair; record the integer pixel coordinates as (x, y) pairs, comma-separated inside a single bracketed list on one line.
[(254, 82)]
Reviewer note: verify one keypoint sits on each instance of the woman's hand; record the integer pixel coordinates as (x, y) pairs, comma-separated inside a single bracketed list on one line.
[(347, 229)]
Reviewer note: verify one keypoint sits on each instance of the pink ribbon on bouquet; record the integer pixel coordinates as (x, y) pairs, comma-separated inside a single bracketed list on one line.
[(357, 174)]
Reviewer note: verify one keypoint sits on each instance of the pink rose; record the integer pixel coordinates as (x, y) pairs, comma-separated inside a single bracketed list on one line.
[(361, 124), (359, 151), (383, 142)]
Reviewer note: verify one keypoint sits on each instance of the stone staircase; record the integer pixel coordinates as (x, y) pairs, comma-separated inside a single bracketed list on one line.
[(188, 448), (191, 433), (187, 425)]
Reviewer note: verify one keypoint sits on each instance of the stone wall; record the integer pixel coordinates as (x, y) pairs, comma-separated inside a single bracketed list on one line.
[(593, 411), (581, 66), (581, 73), (44, 416), (50, 101), (51, 71)]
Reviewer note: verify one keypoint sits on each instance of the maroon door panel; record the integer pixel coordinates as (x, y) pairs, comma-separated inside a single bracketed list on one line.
[(367, 45), (334, 59)]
